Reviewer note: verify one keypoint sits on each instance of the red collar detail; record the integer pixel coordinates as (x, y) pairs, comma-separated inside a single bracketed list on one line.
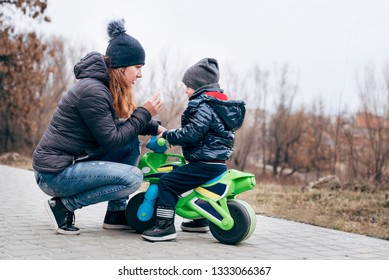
[(216, 94)]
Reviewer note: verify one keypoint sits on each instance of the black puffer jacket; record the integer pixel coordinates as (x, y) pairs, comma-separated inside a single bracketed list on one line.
[(84, 124), (207, 126)]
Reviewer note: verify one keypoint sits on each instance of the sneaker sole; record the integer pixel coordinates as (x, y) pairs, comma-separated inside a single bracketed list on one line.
[(191, 229), (59, 230), (110, 226), (162, 238)]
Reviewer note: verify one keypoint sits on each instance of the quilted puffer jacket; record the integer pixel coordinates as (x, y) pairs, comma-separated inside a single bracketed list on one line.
[(208, 125), (84, 124)]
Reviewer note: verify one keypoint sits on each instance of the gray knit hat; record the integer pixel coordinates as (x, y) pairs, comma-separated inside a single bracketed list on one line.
[(123, 49), (204, 72)]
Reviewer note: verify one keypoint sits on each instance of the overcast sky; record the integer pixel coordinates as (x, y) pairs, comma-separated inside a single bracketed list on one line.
[(326, 43)]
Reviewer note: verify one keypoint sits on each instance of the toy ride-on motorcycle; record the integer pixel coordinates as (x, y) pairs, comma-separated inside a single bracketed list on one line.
[(231, 220)]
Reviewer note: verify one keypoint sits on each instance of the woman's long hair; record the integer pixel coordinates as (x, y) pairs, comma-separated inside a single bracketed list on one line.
[(121, 92)]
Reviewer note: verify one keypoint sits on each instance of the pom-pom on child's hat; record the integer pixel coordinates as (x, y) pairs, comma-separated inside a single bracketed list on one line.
[(123, 49), (204, 72)]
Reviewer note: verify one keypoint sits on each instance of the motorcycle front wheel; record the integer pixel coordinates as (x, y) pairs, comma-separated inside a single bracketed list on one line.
[(244, 223)]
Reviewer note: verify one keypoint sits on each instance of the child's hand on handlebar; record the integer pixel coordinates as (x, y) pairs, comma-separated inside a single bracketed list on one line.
[(159, 135), (161, 129)]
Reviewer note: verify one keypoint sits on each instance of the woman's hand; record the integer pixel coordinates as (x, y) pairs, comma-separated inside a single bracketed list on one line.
[(153, 105)]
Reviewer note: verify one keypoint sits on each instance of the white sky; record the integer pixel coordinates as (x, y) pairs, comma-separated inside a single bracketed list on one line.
[(327, 43)]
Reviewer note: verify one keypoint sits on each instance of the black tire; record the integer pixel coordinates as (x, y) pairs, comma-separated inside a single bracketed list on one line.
[(132, 214), (242, 225)]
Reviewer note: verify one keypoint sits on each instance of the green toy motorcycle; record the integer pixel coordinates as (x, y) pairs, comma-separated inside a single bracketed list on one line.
[(231, 220)]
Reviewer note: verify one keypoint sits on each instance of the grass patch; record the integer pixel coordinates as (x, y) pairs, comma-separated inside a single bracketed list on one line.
[(352, 211)]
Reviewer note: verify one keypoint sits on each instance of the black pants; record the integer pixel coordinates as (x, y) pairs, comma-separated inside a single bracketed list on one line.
[(185, 178)]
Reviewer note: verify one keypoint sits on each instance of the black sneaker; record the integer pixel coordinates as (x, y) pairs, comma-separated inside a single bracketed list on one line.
[(198, 225), (164, 230), (116, 220), (62, 218)]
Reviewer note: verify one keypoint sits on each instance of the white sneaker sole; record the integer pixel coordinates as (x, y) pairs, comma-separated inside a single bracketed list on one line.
[(162, 238)]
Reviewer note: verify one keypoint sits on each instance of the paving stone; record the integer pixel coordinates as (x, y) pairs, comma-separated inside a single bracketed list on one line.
[(26, 233)]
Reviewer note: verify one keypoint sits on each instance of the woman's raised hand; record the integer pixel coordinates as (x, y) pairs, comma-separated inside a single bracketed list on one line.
[(154, 104)]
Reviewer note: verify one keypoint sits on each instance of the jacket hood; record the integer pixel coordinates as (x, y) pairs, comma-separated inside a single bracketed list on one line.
[(92, 66), (232, 112)]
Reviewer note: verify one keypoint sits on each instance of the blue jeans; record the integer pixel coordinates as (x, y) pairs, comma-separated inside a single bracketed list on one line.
[(112, 179)]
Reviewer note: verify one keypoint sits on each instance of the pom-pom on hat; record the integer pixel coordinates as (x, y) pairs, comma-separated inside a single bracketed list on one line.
[(204, 72), (123, 49)]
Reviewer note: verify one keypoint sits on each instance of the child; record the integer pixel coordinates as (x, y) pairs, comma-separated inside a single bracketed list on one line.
[(206, 136)]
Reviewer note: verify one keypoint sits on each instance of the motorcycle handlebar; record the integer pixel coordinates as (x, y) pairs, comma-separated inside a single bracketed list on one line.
[(158, 146)]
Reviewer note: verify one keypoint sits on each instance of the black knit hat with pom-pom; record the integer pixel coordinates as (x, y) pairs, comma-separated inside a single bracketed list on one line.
[(123, 49)]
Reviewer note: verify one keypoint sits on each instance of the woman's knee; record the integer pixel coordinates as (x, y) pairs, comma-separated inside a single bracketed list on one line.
[(134, 177), (42, 184)]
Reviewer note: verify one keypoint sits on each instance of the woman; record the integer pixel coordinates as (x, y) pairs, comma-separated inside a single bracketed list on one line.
[(89, 151)]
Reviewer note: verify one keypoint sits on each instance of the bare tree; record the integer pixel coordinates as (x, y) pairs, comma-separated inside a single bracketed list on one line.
[(21, 59), (314, 150), (285, 129), (363, 144), (374, 123), (34, 9)]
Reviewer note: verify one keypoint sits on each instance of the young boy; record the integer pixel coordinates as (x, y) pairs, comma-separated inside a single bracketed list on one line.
[(206, 136)]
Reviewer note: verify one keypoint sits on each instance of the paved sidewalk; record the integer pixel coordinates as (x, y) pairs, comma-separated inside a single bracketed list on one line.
[(26, 233)]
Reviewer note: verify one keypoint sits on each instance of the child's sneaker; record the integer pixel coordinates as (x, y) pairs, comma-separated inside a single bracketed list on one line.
[(164, 230), (198, 225)]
